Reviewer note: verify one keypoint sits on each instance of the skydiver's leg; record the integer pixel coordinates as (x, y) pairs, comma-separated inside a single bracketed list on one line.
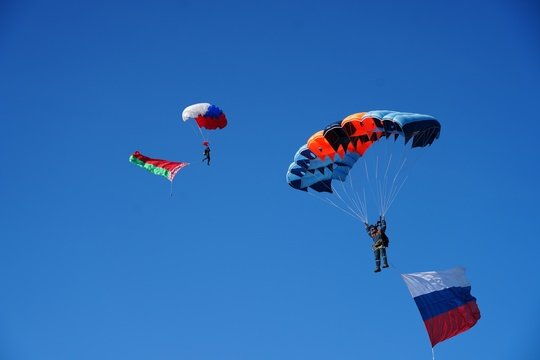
[(384, 258), (377, 253)]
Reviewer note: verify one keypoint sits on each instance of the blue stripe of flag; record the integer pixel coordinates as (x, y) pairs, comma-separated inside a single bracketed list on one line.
[(439, 302)]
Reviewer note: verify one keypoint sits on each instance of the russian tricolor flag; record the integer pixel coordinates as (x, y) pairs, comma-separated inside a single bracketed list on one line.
[(445, 302)]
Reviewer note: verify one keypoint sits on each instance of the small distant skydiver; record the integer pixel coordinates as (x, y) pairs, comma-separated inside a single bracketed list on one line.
[(380, 242), (206, 153)]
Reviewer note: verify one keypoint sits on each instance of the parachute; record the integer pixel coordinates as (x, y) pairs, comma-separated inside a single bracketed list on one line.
[(160, 167), (206, 117), (373, 137), (445, 302)]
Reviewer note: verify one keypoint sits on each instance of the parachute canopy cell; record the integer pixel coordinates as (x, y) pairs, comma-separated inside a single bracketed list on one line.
[(207, 116), (160, 167)]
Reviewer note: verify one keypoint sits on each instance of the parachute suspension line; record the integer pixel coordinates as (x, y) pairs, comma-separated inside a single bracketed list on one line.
[(326, 200), (432, 353), (375, 187), (367, 172), (341, 198), (387, 177), (195, 128), (386, 194), (351, 210), (361, 203), (397, 172), (365, 204), (382, 183), (407, 164), (371, 184), (356, 200), (395, 187), (171, 188), (200, 130), (379, 186), (353, 214), (203, 134), (352, 203), (386, 198), (367, 181), (395, 194)]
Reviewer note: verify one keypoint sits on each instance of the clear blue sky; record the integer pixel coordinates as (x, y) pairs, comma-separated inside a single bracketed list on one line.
[(97, 261)]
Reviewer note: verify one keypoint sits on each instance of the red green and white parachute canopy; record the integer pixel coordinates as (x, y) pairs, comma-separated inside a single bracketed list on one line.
[(164, 168)]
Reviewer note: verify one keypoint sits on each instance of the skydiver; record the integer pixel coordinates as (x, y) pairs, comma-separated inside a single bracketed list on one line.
[(380, 242), (206, 154)]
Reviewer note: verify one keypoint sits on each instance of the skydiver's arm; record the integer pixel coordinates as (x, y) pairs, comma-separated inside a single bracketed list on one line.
[(383, 225), (367, 227)]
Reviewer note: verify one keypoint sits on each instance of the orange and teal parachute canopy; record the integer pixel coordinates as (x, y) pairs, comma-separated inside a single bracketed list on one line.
[(330, 153), (386, 142)]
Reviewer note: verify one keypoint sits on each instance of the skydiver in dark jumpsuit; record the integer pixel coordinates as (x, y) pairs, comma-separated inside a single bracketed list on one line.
[(380, 242), (207, 154)]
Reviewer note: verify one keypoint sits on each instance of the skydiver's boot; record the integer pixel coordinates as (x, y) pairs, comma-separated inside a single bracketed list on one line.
[(385, 262), (377, 266)]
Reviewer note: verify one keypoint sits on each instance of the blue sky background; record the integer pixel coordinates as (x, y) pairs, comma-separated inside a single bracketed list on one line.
[(97, 261)]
